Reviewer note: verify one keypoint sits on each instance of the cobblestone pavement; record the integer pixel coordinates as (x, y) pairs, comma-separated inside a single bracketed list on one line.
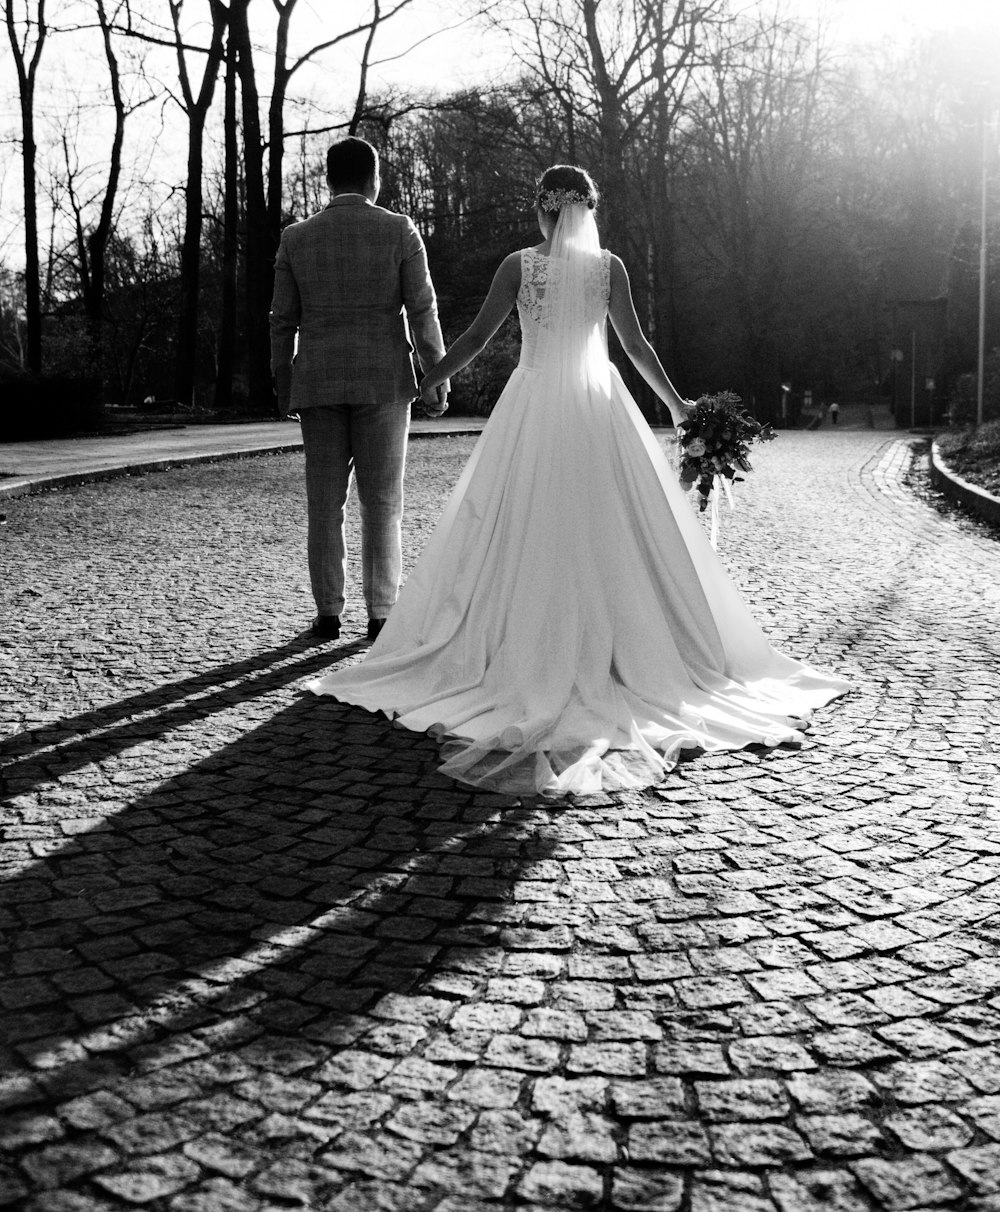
[(261, 956)]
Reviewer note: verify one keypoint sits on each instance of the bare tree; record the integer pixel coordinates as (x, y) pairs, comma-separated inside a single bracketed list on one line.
[(655, 186), (225, 353), (12, 326), (92, 239), (284, 71), (753, 192), (196, 105), (26, 60), (613, 68), (139, 309), (259, 248), (90, 196)]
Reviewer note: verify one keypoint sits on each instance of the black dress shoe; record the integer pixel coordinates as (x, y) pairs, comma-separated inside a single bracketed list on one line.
[(374, 627), (326, 626)]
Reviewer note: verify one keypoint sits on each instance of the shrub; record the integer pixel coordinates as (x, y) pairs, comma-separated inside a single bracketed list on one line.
[(974, 453), (962, 403), (48, 406)]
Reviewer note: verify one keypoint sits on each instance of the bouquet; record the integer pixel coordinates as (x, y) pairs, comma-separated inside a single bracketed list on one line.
[(715, 443)]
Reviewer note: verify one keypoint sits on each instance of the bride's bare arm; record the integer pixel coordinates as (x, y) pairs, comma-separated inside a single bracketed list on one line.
[(495, 309), (621, 309)]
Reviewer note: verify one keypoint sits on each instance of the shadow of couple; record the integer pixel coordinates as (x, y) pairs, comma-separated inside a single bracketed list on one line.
[(246, 941)]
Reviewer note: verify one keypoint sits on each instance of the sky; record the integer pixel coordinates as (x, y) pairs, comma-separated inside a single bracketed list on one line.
[(448, 57), (864, 20)]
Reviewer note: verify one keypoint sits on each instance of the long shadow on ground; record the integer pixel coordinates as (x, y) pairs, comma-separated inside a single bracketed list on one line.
[(208, 983)]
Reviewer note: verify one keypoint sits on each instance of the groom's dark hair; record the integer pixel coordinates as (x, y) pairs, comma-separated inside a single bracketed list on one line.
[(350, 163)]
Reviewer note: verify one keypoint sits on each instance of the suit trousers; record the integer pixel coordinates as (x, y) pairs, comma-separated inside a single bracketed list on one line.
[(366, 442)]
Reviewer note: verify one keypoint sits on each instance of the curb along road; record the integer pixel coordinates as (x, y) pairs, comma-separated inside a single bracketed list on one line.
[(979, 500), (28, 467)]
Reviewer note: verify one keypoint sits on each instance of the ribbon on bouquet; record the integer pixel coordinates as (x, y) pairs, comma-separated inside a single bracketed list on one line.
[(720, 484)]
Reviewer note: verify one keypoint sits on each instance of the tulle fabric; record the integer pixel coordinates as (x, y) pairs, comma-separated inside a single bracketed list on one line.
[(568, 628)]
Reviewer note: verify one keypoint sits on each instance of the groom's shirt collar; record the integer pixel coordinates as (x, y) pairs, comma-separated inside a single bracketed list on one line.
[(350, 200)]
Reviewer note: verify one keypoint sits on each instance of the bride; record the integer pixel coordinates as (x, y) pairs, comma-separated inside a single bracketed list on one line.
[(568, 627)]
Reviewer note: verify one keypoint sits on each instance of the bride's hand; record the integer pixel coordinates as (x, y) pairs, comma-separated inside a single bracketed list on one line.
[(681, 411)]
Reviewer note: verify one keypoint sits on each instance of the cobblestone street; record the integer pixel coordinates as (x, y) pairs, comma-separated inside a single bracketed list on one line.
[(259, 955)]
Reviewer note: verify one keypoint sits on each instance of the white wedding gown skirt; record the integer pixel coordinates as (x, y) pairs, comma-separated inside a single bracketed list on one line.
[(568, 627)]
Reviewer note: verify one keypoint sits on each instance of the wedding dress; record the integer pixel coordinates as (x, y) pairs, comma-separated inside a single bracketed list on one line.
[(568, 627)]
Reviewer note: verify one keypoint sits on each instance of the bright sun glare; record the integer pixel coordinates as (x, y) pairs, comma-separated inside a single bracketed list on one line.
[(444, 58), (862, 20)]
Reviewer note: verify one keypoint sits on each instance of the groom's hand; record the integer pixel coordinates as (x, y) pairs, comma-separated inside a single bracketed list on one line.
[(434, 401)]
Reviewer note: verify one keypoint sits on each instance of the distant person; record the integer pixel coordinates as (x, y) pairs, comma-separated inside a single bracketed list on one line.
[(343, 280), (568, 627), (834, 412)]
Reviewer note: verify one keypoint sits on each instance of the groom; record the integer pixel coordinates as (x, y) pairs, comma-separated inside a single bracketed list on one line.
[(342, 280)]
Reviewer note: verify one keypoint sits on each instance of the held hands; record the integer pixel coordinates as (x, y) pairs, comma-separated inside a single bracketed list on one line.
[(433, 399), (432, 402)]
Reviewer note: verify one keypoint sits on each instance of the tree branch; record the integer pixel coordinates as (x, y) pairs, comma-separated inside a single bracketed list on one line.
[(351, 33)]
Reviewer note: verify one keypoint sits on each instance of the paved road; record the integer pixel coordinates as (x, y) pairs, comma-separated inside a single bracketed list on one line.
[(261, 956), (57, 463)]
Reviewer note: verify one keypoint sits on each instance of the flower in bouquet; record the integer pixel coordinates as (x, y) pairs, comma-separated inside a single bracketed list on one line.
[(715, 442)]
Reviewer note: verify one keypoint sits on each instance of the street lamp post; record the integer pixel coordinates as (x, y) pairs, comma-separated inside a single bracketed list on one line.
[(913, 379), (981, 361)]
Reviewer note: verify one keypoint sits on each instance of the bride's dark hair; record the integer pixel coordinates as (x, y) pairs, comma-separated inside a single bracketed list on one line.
[(562, 179)]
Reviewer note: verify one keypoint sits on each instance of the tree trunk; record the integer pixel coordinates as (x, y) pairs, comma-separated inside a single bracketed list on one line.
[(26, 93), (663, 310), (190, 285), (190, 272), (32, 280), (609, 121), (276, 124), (226, 350), (259, 253), (97, 241), (361, 101)]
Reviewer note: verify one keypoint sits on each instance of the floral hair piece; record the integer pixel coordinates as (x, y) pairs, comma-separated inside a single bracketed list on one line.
[(556, 199)]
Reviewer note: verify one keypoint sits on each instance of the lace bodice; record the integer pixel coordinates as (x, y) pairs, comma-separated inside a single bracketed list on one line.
[(537, 271)]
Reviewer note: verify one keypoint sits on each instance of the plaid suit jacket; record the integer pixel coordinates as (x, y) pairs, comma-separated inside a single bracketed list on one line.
[(342, 279)]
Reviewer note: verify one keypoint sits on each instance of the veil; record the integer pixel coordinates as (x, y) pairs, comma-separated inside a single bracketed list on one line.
[(572, 344)]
